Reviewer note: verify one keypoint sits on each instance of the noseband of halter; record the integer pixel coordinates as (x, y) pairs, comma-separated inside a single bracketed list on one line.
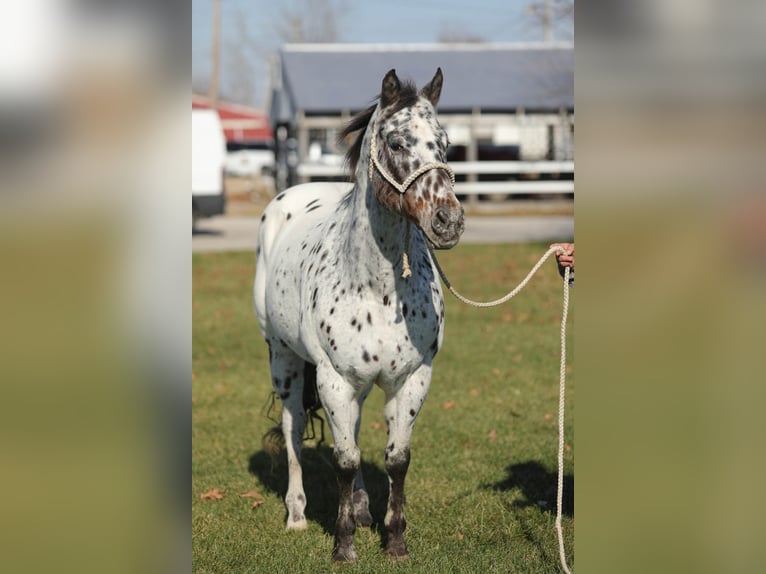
[(402, 187)]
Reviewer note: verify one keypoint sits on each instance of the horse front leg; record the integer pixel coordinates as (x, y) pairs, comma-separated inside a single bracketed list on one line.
[(342, 410), (361, 499), (401, 410)]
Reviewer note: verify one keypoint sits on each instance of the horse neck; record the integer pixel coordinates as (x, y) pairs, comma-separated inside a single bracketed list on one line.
[(376, 235)]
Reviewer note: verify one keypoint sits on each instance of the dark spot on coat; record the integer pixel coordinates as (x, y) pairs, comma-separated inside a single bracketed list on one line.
[(284, 395), (366, 356), (289, 215), (404, 309), (369, 318), (385, 299), (412, 412)]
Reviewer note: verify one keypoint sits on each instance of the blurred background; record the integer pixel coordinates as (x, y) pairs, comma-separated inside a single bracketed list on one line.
[(94, 234), (285, 78)]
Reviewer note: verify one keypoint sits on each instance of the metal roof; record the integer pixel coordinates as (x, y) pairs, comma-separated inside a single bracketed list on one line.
[(333, 77)]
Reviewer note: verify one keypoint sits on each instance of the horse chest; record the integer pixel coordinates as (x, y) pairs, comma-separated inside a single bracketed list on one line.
[(373, 338)]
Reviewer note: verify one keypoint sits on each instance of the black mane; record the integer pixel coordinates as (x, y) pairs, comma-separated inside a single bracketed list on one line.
[(407, 98)]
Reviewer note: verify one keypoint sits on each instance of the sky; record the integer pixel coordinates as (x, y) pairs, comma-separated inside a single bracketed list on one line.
[(249, 32)]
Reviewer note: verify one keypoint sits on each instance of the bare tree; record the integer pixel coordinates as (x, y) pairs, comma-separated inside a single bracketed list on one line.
[(312, 20), (552, 16), (242, 56)]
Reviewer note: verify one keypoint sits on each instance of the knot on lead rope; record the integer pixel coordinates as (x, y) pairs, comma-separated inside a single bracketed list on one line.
[(406, 271)]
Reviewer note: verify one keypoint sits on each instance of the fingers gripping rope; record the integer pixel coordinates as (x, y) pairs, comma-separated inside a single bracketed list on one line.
[(562, 372)]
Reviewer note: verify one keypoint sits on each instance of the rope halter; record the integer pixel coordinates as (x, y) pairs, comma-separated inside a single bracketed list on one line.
[(402, 188)]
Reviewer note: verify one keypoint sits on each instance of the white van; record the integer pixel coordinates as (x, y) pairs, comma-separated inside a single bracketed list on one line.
[(208, 160)]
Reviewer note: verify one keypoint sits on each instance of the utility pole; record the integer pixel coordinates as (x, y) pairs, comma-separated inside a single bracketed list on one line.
[(216, 54)]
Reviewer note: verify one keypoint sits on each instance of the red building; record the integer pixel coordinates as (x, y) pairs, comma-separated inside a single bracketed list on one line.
[(241, 124)]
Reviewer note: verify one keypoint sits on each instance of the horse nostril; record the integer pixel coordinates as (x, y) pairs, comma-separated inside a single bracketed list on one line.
[(442, 215)]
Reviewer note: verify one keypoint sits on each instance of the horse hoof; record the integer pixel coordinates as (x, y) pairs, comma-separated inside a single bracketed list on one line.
[(397, 552), (345, 555), (297, 524), (397, 557), (363, 519)]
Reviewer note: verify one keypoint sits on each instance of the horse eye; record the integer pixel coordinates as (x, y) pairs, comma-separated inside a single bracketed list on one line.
[(395, 146)]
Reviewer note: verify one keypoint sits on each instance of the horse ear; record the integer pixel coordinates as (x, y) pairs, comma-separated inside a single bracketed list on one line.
[(433, 90), (391, 88)]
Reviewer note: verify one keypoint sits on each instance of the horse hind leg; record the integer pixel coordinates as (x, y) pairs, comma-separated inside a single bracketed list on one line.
[(287, 376)]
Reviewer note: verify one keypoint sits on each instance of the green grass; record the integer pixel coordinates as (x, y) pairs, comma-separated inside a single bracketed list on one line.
[(481, 488)]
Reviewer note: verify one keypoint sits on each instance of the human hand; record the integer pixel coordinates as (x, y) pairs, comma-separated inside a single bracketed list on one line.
[(565, 259)]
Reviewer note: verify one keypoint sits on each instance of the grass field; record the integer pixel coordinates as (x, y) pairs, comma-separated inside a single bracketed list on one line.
[(481, 488)]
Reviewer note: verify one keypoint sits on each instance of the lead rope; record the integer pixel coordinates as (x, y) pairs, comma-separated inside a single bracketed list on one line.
[(562, 372)]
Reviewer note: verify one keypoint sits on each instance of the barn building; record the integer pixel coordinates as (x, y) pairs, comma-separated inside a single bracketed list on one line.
[(501, 103)]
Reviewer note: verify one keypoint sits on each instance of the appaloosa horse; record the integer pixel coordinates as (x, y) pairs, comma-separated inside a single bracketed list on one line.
[(330, 295)]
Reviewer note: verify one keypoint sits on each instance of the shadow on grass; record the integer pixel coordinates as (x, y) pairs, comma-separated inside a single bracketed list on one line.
[(321, 486), (538, 487)]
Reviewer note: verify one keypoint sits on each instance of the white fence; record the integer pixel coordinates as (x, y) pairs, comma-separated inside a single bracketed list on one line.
[(527, 184)]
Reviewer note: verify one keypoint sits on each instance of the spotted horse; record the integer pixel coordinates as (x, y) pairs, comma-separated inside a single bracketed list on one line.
[(333, 305)]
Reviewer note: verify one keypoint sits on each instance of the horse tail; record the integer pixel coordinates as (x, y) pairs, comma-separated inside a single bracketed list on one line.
[(311, 401), (273, 440)]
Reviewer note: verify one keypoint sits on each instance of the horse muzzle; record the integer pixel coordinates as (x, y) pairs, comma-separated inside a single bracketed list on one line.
[(447, 225)]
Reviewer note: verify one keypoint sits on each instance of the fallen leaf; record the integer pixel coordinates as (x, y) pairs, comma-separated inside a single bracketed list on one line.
[(212, 494), (376, 425), (508, 317), (567, 447), (251, 494), (254, 494), (492, 435), (496, 372), (548, 416), (474, 392), (449, 405), (460, 536), (222, 390), (211, 350)]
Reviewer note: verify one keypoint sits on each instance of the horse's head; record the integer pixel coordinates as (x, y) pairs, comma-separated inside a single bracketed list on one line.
[(408, 170)]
